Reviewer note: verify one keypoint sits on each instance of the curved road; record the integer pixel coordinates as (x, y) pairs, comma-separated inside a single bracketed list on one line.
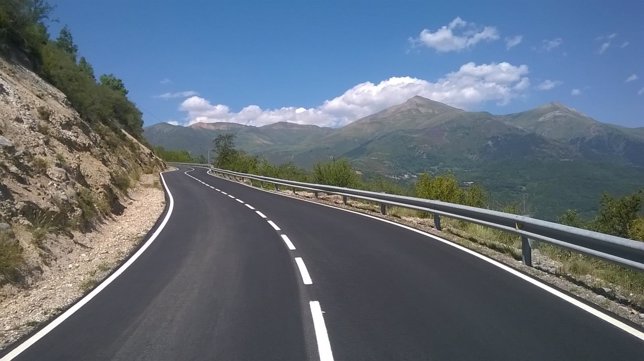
[(242, 274)]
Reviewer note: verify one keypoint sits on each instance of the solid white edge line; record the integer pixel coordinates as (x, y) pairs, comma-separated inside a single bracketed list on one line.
[(249, 206), (288, 242), (261, 214), (597, 313), (321, 335), (275, 227), (306, 278), (53, 324)]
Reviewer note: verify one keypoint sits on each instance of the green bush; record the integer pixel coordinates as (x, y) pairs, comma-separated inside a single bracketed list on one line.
[(446, 188), (121, 181), (40, 165), (337, 173), (11, 259)]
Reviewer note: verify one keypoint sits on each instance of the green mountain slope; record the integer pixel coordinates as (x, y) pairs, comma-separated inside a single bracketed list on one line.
[(550, 158)]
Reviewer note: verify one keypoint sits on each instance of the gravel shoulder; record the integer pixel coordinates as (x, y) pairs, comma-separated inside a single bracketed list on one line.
[(79, 269)]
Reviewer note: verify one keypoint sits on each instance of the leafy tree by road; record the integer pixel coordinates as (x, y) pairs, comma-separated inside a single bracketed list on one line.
[(337, 173)]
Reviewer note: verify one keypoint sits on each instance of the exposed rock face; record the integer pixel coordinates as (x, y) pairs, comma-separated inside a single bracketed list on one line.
[(59, 175)]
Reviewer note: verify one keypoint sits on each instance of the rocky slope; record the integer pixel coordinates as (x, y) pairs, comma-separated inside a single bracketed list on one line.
[(59, 175)]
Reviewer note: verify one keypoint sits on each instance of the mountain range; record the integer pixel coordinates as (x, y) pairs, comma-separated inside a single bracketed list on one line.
[(546, 160)]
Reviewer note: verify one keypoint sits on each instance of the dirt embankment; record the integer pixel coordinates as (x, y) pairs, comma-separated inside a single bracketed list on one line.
[(75, 197)]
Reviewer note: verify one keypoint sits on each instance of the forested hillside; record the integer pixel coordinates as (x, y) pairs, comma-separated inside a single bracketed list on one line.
[(24, 39)]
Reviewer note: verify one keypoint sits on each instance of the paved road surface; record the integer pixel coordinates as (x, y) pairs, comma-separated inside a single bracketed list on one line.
[(241, 274)]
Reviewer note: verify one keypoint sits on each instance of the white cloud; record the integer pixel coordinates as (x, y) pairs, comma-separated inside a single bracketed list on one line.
[(512, 41), (640, 92), (165, 81), (470, 85), (624, 44), (172, 122), (548, 84), (456, 36), (575, 92), (551, 44), (631, 78), (607, 41), (183, 94)]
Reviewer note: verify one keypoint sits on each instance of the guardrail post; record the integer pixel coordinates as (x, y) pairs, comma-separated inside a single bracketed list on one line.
[(526, 248), (437, 221), (277, 187), (315, 194), (344, 199), (383, 209)]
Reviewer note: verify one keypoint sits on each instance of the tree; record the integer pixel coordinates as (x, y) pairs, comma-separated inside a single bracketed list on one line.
[(475, 196), (65, 41), (224, 148), (86, 68), (114, 83), (617, 215), (337, 173), (572, 218)]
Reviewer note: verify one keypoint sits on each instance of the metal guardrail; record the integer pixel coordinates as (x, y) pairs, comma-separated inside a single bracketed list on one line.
[(625, 252)]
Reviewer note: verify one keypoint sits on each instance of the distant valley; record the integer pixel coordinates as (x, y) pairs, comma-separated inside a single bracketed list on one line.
[(545, 160)]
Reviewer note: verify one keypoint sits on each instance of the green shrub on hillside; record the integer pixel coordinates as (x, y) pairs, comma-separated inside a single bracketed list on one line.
[(11, 258), (337, 173), (22, 28), (447, 189)]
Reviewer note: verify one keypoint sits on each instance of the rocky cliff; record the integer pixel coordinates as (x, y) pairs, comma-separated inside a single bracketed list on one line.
[(59, 175)]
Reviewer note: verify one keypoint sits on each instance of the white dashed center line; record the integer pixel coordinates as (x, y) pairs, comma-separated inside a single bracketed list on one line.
[(275, 227), (288, 242), (306, 278), (321, 335)]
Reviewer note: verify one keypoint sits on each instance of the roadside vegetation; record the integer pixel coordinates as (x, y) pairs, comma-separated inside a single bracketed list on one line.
[(180, 156), (617, 216), (109, 118), (99, 100)]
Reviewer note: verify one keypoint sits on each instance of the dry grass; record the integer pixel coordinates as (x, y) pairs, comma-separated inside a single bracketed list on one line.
[(11, 259)]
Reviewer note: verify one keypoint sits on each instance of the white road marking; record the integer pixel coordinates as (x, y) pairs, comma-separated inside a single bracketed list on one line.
[(240, 201), (597, 313), (77, 306), (275, 227), (288, 242), (306, 278), (321, 335), (260, 214), (249, 206), (231, 196), (224, 193), (218, 190)]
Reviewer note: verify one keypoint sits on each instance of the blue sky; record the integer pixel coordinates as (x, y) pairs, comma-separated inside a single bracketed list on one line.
[(331, 62)]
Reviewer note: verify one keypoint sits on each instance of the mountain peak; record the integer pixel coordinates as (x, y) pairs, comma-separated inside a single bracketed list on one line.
[(216, 126), (418, 101), (418, 104), (556, 106)]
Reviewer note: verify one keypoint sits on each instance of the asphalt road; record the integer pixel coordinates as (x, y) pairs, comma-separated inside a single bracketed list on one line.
[(241, 274)]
